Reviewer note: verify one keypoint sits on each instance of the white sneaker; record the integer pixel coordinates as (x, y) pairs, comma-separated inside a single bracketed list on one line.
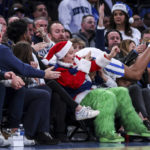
[(28, 142), (86, 113), (3, 141)]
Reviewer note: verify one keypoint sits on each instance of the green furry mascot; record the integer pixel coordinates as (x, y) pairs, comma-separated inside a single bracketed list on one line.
[(113, 101)]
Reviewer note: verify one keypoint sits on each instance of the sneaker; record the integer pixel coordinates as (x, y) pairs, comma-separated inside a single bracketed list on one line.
[(86, 113), (112, 139), (28, 142), (3, 141), (62, 137)]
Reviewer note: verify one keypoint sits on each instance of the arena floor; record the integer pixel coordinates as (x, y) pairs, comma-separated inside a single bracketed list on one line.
[(88, 146)]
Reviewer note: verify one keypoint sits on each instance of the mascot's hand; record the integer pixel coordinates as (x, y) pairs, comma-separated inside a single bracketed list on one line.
[(88, 56)]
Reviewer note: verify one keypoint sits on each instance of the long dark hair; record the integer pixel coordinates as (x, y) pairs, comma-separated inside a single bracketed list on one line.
[(128, 30)]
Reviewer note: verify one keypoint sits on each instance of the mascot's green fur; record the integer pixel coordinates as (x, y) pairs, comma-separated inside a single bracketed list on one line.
[(113, 101)]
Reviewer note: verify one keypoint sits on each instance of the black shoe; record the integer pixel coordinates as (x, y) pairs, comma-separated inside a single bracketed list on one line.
[(44, 138), (147, 124), (62, 137)]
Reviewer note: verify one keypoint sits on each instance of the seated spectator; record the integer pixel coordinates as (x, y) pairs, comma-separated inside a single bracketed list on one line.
[(77, 44), (16, 91), (87, 31), (106, 21), (127, 46), (68, 35), (40, 33), (146, 20), (40, 10), (138, 23), (13, 18), (17, 10), (30, 25), (3, 27)]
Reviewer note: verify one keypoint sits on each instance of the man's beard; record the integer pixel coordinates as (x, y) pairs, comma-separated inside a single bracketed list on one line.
[(90, 31)]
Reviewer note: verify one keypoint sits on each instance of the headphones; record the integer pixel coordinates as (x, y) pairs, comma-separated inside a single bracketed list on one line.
[(106, 35)]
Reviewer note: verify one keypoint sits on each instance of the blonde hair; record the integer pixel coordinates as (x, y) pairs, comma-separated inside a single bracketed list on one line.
[(124, 46), (77, 41)]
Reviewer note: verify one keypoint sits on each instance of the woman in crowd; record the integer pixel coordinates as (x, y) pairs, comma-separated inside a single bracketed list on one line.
[(120, 20)]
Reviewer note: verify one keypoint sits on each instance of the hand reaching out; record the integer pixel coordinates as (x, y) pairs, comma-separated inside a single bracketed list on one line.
[(39, 46), (49, 74)]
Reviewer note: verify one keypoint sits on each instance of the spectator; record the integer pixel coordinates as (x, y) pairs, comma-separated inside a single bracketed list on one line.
[(40, 27), (4, 25), (77, 44), (87, 32), (16, 83), (56, 32), (30, 25), (146, 20), (17, 10), (40, 10), (120, 21), (68, 35), (138, 23), (106, 22), (145, 36), (127, 46), (13, 18), (70, 13)]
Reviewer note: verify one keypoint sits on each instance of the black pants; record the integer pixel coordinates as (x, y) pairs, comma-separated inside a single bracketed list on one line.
[(56, 87), (2, 97), (37, 111), (62, 102), (14, 102), (140, 99), (58, 107)]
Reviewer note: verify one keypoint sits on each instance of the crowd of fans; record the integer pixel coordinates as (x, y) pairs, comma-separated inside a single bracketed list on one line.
[(79, 59)]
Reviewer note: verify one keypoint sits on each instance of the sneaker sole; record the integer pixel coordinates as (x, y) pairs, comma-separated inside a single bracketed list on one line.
[(89, 117)]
